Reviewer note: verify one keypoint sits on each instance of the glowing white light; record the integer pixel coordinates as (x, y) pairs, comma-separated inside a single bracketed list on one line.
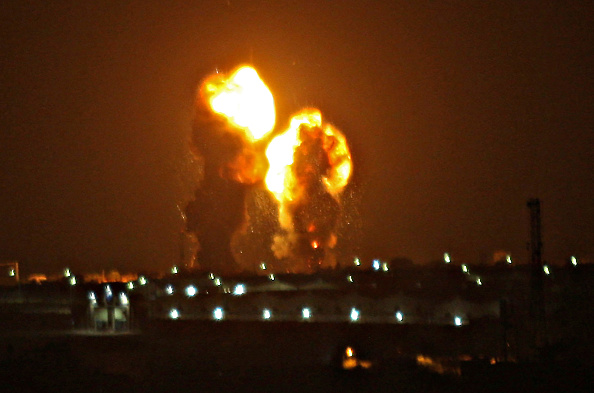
[(306, 313), (464, 268), (399, 316), (173, 313), (11, 272), (92, 296), (169, 289), (354, 314), (446, 258), (457, 321), (263, 266), (217, 282), (350, 278), (508, 259), (239, 290), (478, 281), (376, 264), (271, 277), (130, 285), (174, 270), (142, 280), (546, 269), (123, 299), (72, 280), (108, 292), (574, 261), (266, 314), (211, 276), (357, 262), (218, 314), (385, 266), (191, 291)]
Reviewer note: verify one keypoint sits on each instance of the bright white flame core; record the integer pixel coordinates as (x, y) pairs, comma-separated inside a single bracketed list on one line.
[(457, 321), (245, 101), (173, 313), (399, 316), (354, 314)]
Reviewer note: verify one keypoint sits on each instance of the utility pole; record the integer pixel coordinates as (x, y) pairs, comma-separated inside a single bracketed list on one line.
[(537, 302)]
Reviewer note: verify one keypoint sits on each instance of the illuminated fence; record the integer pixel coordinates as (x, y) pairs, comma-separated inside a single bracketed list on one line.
[(311, 308)]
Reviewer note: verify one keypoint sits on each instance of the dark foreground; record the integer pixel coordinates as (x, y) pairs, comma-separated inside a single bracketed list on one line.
[(182, 356)]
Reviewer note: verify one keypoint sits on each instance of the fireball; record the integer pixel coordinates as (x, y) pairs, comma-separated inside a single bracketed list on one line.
[(243, 100)]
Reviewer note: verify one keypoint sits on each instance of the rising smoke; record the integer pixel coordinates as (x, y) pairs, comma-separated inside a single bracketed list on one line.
[(263, 195)]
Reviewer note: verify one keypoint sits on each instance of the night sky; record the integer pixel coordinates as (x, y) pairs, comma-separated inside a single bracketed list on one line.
[(456, 113)]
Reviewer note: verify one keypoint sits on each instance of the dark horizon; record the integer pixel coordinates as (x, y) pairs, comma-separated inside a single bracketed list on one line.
[(456, 114)]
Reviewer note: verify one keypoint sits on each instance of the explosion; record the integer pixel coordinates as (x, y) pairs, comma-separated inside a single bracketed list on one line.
[(303, 170)]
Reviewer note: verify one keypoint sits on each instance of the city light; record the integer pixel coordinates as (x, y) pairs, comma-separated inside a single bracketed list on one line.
[(465, 268), (457, 321), (385, 266), (218, 314), (399, 316), (271, 277), (123, 299), (142, 280), (191, 291), (350, 278), (239, 290), (72, 280), (173, 313), (266, 314), (376, 264), (446, 258), (478, 281), (67, 272), (263, 266), (211, 276), (508, 259), (108, 293), (92, 298), (169, 289), (574, 261), (174, 270), (354, 314), (130, 285), (306, 313), (546, 270), (217, 282), (12, 272), (357, 262)]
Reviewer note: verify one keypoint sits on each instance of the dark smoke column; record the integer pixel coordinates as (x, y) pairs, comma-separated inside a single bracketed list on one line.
[(232, 115)]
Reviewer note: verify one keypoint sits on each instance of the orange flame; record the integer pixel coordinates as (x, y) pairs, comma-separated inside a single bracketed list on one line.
[(280, 179), (243, 100)]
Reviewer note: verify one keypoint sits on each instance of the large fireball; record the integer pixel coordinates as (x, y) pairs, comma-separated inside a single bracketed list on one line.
[(305, 168), (243, 99)]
